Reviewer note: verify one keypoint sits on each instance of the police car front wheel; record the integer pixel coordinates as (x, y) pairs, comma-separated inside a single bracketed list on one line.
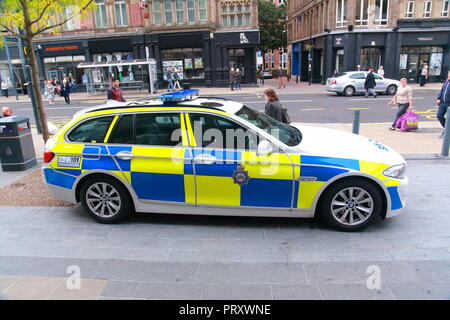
[(105, 199), (351, 205)]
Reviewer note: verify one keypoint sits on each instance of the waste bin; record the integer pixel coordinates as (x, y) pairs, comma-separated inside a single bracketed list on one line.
[(16, 144)]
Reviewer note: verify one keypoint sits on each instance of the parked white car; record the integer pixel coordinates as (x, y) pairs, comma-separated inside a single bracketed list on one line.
[(350, 83)]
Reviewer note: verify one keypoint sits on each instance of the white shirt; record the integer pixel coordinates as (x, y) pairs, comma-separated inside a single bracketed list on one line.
[(381, 72), (4, 85)]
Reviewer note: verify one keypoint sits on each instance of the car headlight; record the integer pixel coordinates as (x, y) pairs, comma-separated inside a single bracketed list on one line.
[(398, 171)]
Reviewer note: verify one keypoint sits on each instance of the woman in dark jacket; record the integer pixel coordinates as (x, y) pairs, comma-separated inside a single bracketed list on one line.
[(273, 106)]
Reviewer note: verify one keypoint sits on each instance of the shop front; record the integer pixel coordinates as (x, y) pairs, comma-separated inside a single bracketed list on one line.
[(60, 60)]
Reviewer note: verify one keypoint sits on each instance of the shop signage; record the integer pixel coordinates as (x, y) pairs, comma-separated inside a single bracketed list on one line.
[(425, 38), (243, 39), (62, 49), (338, 41)]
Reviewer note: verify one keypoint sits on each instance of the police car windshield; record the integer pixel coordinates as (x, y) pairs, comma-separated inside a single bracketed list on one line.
[(287, 134)]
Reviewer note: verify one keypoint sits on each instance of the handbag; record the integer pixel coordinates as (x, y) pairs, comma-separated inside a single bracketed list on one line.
[(409, 121), (285, 116)]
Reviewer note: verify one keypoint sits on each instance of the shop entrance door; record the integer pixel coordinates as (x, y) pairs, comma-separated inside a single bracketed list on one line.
[(236, 59)]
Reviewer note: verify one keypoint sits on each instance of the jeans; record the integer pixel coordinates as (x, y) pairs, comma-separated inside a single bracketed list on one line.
[(441, 113), (170, 85), (402, 108), (5, 93), (238, 85), (232, 84), (370, 91), (67, 98)]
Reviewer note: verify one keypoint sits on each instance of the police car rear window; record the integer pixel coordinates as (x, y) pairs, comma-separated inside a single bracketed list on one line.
[(92, 131)]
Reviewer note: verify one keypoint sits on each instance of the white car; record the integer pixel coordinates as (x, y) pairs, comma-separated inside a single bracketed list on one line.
[(350, 83), (184, 154)]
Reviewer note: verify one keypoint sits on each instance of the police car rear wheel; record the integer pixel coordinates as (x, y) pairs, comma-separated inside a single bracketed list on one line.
[(105, 199), (351, 205)]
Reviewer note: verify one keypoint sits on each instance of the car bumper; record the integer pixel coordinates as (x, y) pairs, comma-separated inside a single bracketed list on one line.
[(334, 89), (398, 198)]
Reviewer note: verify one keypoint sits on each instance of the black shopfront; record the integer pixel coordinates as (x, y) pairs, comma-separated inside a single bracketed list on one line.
[(203, 58), (402, 51)]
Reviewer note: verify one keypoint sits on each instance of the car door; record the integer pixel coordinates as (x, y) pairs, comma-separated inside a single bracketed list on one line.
[(357, 80), (228, 171), (157, 158), (381, 83)]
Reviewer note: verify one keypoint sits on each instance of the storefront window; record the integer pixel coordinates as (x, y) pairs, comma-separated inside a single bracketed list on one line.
[(370, 57), (236, 59), (186, 62), (64, 66), (123, 73), (412, 60)]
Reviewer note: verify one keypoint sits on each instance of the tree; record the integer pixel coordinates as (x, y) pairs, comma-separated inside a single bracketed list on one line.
[(27, 19), (272, 25)]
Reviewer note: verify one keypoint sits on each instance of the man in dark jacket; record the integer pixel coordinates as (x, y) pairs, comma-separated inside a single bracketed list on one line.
[(370, 83), (115, 93), (443, 102), (65, 90), (232, 76)]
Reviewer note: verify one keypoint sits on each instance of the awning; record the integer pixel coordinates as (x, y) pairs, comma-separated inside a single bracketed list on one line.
[(112, 63)]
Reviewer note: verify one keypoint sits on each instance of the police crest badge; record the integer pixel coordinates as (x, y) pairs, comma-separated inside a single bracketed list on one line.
[(240, 176)]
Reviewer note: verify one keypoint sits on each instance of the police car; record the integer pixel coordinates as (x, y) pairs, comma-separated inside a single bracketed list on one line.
[(186, 154)]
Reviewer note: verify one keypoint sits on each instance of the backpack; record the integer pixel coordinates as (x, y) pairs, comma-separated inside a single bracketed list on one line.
[(285, 116)]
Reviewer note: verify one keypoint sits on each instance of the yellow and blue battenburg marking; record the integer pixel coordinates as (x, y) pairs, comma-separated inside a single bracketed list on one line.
[(169, 174)]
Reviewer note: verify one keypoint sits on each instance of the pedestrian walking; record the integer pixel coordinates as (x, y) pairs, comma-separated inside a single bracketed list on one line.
[(380, 71), (273, 105), (443, 102), (50, 92), (176, 77), (169, 75), (370, 83), (280, 78), (232, 76), (65, 90), (4, 87), (423, 75), (114, 93), (238, 77), (403, 98)]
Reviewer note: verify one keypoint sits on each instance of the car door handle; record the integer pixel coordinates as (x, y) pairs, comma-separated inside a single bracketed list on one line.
[(205, 159), (125, 155)]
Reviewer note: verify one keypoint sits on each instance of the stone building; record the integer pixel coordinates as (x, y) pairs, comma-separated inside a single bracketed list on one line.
[(338, 35)]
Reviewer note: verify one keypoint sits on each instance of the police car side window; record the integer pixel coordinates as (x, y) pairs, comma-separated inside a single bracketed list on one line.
[(123, 131), (218, 132), (158, 129), (92, 131), (359, 75)]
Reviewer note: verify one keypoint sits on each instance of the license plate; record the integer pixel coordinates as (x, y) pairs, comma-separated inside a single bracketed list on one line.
[(69, 161)]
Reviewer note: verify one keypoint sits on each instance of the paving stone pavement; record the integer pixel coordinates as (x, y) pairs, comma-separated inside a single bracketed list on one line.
[(194, 257)]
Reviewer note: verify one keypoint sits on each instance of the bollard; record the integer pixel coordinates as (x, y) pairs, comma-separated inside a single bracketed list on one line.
[(446, 140), (355, 129)]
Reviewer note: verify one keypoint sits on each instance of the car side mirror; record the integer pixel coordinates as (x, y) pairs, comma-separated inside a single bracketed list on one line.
[(264, 148)]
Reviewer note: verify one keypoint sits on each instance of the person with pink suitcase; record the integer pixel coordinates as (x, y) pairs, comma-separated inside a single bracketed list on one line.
[(403, 98)]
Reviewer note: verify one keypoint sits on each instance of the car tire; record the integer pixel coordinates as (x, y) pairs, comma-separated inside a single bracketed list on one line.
[(349, 91), (337, 207), (339, 93), (391, 90), (105, 199)]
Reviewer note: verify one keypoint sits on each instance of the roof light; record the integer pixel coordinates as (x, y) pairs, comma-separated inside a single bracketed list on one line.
[(180, 95)]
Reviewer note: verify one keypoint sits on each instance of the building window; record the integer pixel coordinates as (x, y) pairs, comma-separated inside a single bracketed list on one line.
[(445, 8), (409, 12), (202, 10), (427, 9), (70, 24), (191, 10), (156, 12), (168, 11), (180, 12), (381, 15), (121, 13), (101, 19), (247, 15), (341, 13), (362, 12)]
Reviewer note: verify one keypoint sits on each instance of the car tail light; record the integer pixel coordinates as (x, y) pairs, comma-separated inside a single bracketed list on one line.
[(334, 81), (48, 156)]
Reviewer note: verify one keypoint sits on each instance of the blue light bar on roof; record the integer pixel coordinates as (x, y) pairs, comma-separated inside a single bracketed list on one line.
[(180, 95)]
